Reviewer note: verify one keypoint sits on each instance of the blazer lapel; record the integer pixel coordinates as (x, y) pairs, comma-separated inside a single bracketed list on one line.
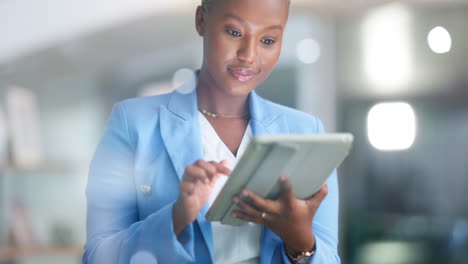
[(180, 131), (266, 118)]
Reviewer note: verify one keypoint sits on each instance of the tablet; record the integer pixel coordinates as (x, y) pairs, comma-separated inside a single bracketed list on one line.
[(306, 159)]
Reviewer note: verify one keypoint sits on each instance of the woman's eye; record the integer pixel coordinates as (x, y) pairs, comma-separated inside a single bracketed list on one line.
[(268, 42), (233, 33)]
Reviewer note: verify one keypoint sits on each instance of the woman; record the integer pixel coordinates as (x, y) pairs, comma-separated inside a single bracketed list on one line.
[(155, 170)]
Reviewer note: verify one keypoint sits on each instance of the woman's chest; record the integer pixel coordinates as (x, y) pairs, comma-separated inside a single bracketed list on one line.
[(230, 132)]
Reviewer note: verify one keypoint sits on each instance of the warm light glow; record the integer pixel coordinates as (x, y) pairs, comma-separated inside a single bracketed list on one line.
[(308, 51), (391, 126), (386, 47), (439, 40)]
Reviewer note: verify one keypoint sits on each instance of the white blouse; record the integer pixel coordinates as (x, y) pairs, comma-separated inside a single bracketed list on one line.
[(232, 244)]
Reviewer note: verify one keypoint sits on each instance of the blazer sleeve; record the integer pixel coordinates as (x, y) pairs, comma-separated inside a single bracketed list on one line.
[(115, 234), (325, 224)]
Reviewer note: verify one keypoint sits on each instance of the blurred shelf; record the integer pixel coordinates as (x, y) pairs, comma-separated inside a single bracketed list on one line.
[(12, 253)]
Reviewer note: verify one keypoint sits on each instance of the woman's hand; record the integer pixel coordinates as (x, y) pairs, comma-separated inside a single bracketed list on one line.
[(194, 191), (288, 217)]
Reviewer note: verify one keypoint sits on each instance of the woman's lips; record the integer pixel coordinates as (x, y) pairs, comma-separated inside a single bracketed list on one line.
[(242, 74)]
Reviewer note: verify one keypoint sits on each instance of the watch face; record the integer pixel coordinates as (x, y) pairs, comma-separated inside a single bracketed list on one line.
[(304, 260)]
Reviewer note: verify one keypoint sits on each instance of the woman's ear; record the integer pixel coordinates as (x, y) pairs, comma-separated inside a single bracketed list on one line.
[(200, 21)]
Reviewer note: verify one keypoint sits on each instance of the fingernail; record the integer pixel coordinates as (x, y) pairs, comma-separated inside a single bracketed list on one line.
[(245, 193), (207, 180), (283, 178)]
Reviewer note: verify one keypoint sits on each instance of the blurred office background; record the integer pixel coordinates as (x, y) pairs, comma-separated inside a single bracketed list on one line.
[(395, 74)]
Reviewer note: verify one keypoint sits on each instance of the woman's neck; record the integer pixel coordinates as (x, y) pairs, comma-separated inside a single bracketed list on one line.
[(217, 101)]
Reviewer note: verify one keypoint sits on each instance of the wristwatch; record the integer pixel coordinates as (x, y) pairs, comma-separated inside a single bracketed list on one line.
[(300, 258)]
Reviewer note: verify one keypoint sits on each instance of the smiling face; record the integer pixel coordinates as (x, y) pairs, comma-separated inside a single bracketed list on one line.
[(241, 42)]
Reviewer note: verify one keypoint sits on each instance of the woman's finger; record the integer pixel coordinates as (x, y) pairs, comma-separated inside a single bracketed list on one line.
[(319, 195), (195, 173), (246, 208), (224, 163), (221, 167), (210, 169), (286, 189), (261, 203), (249, 218)]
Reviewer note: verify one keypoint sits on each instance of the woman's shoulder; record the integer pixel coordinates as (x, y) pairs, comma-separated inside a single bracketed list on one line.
[(298, 121), (145, 103), (143, 107)]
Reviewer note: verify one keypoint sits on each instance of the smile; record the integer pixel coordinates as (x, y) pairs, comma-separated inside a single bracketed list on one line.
[(242, 74)]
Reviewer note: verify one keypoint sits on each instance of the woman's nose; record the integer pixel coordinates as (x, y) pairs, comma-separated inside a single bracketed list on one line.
[(247, 51)]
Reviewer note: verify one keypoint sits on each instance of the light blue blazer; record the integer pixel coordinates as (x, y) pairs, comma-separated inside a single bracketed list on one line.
[(138, 165)]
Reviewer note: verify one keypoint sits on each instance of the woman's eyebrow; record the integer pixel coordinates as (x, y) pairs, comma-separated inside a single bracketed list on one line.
[(231, 15), (242, 21)]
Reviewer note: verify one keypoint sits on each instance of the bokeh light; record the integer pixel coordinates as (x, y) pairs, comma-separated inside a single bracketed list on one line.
[(308, 51), (439, 40), (391, 126)]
